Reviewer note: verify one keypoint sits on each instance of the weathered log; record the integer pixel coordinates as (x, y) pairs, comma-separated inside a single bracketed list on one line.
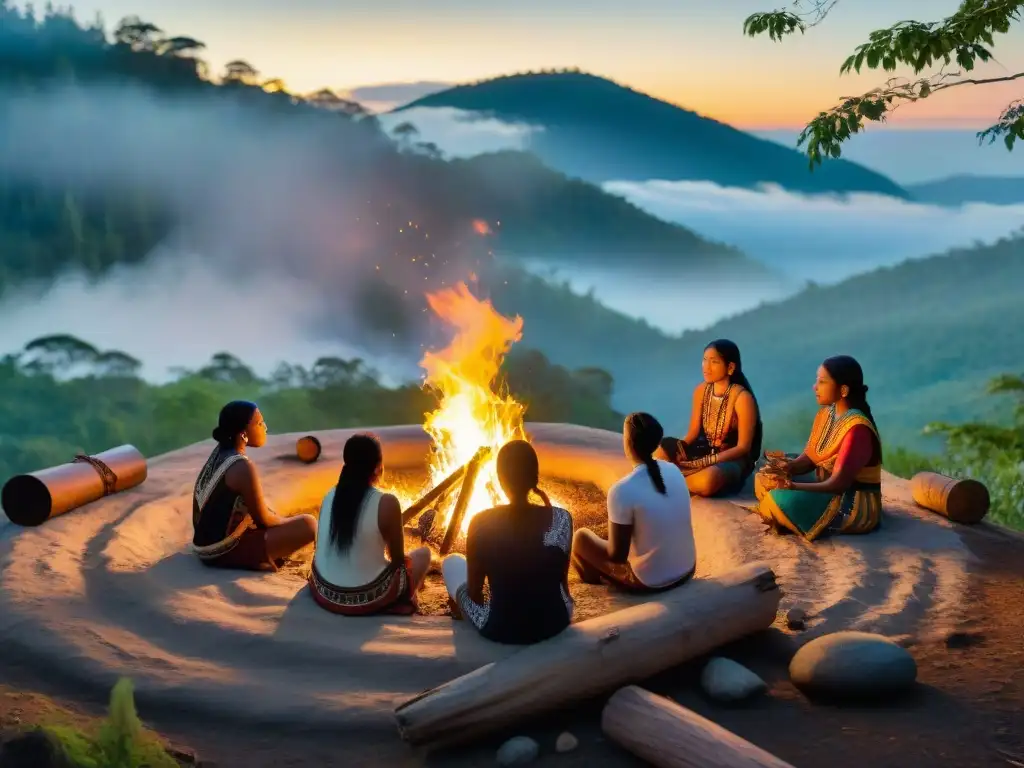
[(34, 498), (308, 449), (962, 501), (667, 735), (465, 494), (595, 656)]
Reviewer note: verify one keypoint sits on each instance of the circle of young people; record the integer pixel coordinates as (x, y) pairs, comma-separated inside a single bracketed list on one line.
[(512, 584)]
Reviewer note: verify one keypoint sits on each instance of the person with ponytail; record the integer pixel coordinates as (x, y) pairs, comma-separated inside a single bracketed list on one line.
[(520, 551), (650, 544), (234, 527), (722, 444), (351, 574), (845, 453)]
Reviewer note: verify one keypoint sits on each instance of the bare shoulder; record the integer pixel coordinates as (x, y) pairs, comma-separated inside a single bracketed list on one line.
[(698, 391), (389, 504), (745, 399), (242, 470)]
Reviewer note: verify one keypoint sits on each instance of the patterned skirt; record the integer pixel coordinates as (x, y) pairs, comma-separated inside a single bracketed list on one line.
[(391, 592), (811, 514)]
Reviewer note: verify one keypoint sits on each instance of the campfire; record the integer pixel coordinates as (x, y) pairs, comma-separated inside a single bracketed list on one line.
[(474, 418)]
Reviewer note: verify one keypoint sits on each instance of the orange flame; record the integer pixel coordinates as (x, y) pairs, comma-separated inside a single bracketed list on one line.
[(481, 227), (471, 414)]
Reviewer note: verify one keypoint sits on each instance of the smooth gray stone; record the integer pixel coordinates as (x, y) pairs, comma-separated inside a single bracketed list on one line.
[(518, 750), (853, 665), (729, 681)]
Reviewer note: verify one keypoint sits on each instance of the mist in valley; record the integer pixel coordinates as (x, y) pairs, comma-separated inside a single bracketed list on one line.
[(274, 248), (823, 238)]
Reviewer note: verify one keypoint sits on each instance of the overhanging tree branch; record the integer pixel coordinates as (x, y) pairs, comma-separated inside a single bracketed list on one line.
[(966, 37), (824, 135), (780, 23)]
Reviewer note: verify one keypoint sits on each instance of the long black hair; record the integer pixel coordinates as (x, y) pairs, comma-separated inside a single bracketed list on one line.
[(730, 353), (644, 433), (233, 420), (361, 457), (846, 372), (519, 472)]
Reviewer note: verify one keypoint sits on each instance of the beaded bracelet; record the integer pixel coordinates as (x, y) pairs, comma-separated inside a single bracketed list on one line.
[(702, 463)]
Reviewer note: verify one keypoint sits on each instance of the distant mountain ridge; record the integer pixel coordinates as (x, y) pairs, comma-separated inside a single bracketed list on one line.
[(598, 130), (958, 190)]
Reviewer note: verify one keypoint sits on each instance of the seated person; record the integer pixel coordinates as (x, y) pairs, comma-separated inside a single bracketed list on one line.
[(718, 453), (234, 528), (650, 543), (845, 452), (358, 523), (521, 552)]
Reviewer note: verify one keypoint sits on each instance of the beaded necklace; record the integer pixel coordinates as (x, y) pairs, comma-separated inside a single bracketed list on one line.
[(718, 423)]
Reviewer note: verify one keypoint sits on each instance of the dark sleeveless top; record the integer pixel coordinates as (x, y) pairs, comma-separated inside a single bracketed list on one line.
[(525, 574), (220, 515), (718, 424)]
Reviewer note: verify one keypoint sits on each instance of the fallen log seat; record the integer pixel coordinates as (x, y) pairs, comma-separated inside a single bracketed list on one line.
[(667, 735), (594, 657)]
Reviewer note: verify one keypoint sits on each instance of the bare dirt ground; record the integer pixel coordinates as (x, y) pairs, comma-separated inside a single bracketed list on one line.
[(967, 710)]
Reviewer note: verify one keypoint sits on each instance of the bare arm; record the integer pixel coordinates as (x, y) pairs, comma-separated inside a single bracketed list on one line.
[(619, 538), (243, 479), (693, 431), (746, 418), (854, 455), (800, 465), (620, 526), (389, 522), (476, 571)]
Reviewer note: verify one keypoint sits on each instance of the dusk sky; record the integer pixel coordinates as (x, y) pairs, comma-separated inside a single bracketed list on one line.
[(689, 52)]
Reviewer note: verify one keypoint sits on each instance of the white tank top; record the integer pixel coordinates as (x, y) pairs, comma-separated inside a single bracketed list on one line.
[(365, 560)]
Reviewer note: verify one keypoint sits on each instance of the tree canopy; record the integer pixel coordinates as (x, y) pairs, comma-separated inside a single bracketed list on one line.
[(962, 41)]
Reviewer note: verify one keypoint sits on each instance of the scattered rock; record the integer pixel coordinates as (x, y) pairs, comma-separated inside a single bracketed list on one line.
[(853, 665), (518, 750), (796, 618), (566, 742), (728, 681)]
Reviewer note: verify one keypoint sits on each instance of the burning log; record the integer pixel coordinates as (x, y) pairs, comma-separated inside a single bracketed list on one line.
[(666, 735), (438, 492), (35, 498), (465, 494), (594, 656)]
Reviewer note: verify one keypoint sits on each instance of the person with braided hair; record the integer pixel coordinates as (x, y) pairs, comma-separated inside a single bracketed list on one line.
[(845, 453), (234, 527), (519, 553), (721, 446), (360, 566), (650, 544)]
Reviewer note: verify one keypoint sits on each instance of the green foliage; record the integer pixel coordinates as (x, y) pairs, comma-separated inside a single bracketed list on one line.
[(963, 39), (121, 741), (46, 420), (992, 453)]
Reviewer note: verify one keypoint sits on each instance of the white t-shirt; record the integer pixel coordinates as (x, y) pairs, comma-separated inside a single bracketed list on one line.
[(662, 550)]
